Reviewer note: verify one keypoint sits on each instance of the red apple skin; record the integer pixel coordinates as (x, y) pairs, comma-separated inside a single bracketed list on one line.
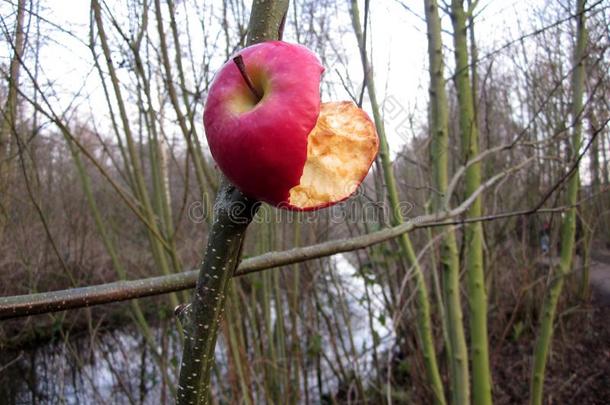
[(263, 151)]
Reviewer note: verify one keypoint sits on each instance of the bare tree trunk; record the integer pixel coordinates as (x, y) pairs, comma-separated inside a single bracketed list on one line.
[(477, 297), (568, 226), (203, 315), (423, 311), (449, 260), (9, 116)]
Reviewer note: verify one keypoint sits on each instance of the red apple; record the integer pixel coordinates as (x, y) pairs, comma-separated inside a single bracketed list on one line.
[(286, 148)]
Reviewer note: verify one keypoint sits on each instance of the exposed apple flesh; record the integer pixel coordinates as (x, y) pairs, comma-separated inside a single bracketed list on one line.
[(272, 138), (340, 150)]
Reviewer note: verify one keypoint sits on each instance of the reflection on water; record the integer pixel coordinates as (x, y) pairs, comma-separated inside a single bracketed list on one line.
[(120, 367), (114, 367)]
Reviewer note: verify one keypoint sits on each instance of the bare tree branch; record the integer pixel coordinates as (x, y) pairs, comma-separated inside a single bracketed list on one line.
[(32, 304)]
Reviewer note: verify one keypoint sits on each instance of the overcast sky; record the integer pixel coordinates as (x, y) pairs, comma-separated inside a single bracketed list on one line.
[(398, 43)]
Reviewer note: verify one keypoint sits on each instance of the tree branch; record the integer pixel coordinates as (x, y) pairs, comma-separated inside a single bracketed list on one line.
[(233, 212), (32, 304)]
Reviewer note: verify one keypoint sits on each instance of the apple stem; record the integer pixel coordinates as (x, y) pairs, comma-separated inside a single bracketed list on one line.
[(239, 62), (280, 30)]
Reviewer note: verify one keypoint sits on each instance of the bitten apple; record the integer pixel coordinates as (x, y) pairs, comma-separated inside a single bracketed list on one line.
[(273, 138)]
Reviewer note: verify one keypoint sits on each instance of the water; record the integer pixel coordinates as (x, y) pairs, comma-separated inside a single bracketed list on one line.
[(114, 367), (118, 367)]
